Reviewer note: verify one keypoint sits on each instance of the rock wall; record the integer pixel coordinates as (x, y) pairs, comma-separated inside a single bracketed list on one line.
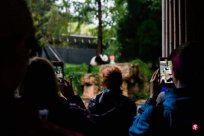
[(132, 82)]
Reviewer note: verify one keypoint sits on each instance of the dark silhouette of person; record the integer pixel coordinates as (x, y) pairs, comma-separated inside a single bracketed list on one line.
[(40, 93), (17, 44), (179, 111), (115, 110)]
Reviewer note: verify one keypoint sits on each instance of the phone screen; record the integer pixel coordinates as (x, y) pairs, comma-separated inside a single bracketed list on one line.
[(166, 75), (59, 70)]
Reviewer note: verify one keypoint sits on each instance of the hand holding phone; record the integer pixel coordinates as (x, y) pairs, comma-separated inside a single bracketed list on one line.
[(154, 85), (59, 70), (66, 89)]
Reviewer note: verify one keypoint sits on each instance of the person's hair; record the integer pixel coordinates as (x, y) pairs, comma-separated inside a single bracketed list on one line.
[(176, 61), (112, 75), (16, 25), (187, 60), (40, 83)]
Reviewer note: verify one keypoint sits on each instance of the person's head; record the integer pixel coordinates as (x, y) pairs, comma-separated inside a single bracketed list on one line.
[(187, 67), (111, 77), (40, 82), (17, 41)]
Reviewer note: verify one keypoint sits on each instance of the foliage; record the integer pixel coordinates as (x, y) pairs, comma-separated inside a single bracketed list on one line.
[(156, 4), (50, 22), (127, 32), (149, 39), (94, 70), (145, 70), (139, 32), (131, 28), (112, 12), (145, 74), (112, 47), (111, 44), (74, 72)]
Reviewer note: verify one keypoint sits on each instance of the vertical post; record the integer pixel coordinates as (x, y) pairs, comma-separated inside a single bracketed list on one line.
[(170, 28), (100, 38), (180, 23), (167, 27), (175, 23), (163, 28), (185, 14)]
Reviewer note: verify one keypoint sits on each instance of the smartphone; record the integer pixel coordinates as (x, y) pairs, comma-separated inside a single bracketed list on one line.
[(59, 70), (165, 69), (43, 114)]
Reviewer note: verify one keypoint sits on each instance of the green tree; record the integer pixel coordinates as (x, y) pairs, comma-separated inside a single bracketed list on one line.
[(139, 32), (51, 20), (112, 12), (111, 44)]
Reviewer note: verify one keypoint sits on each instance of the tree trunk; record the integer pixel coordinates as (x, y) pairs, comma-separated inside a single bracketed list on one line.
[(100, 39)]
